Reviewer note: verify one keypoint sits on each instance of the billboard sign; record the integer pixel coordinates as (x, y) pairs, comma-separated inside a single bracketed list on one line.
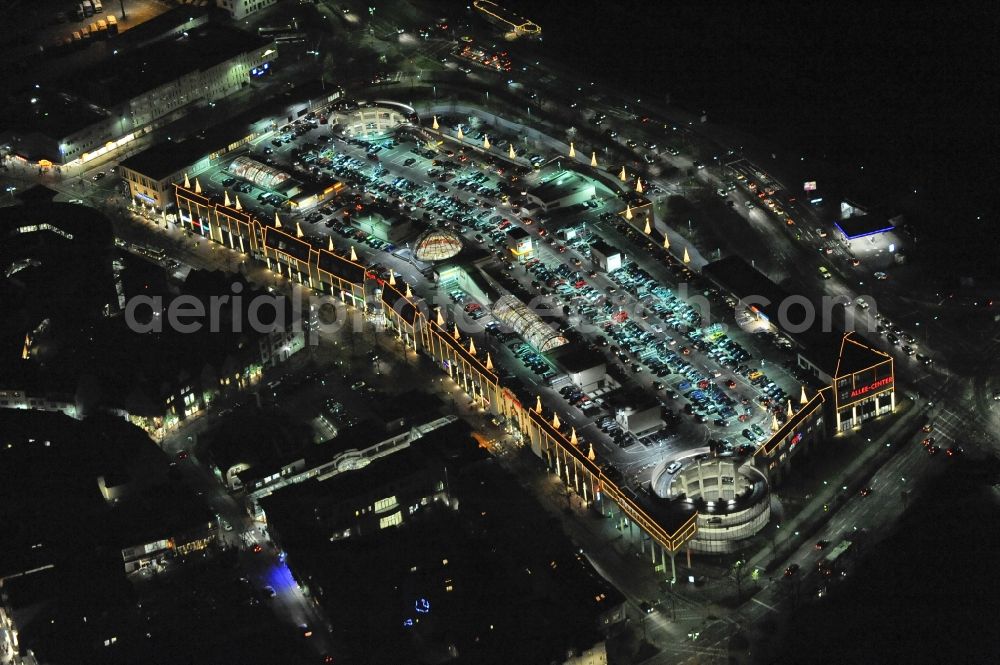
[(874, 386), (864, 384), (809, 186)]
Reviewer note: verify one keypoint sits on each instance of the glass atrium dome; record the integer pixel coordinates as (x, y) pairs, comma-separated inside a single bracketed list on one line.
[(437, 245)]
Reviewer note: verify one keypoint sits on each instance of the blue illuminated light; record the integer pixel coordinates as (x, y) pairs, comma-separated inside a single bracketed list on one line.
[(423, 606), (862, 235), (280, 578)]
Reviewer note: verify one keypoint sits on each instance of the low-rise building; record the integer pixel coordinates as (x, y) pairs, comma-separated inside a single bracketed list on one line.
[(519, 244), (798, 435), (635, 411), (86, 337), (262, 468), (393, 229), (605, 257), (432, 531), (240, 9), (860, 376), (151, 174), (587, 369), (85, 502), (562, 190)]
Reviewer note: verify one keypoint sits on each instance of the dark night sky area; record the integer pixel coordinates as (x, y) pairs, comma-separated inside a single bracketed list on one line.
[(908, 90)]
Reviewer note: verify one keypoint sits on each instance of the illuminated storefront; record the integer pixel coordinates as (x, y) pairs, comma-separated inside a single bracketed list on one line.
[(283, 253), (802, 430), (658, 537), (860, 377), (862, 394)]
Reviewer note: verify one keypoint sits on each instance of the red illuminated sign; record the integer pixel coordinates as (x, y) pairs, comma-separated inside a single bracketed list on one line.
[(512, 399), (881, 383)]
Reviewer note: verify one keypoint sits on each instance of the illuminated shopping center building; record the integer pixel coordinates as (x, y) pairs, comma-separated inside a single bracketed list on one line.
[(860, 376)]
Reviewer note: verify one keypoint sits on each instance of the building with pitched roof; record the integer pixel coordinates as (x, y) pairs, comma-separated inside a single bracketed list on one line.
[(860, 376)]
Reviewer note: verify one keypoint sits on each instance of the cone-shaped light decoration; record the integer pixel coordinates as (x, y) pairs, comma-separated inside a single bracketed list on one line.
[(392, 277), (460, 134), (572, 150), (489, 361), (298, 230), (456, 334), (590, 455), (329, 245), (687, 257), (648, 228), (187, 181), (628, 212), (277, 221), (666, 241), (26, 349), (511, 153), (239, 206), (440, 319), (197, 186), (802, 396), (555, 421), (573, 439), (434, 124), (472, 346), (638, 185), (774, 423), (431, 146), (622, 176), (593, 159), (790, 412), (354, 255), (225, 198), (486, 142), (538, 404), (409, 293)]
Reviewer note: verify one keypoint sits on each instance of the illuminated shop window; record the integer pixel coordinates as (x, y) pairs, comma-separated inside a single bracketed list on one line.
[(392, 520), (385, 504)]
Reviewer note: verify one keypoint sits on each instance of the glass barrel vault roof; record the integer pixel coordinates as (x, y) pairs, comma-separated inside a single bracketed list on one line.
[(514, 313)]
